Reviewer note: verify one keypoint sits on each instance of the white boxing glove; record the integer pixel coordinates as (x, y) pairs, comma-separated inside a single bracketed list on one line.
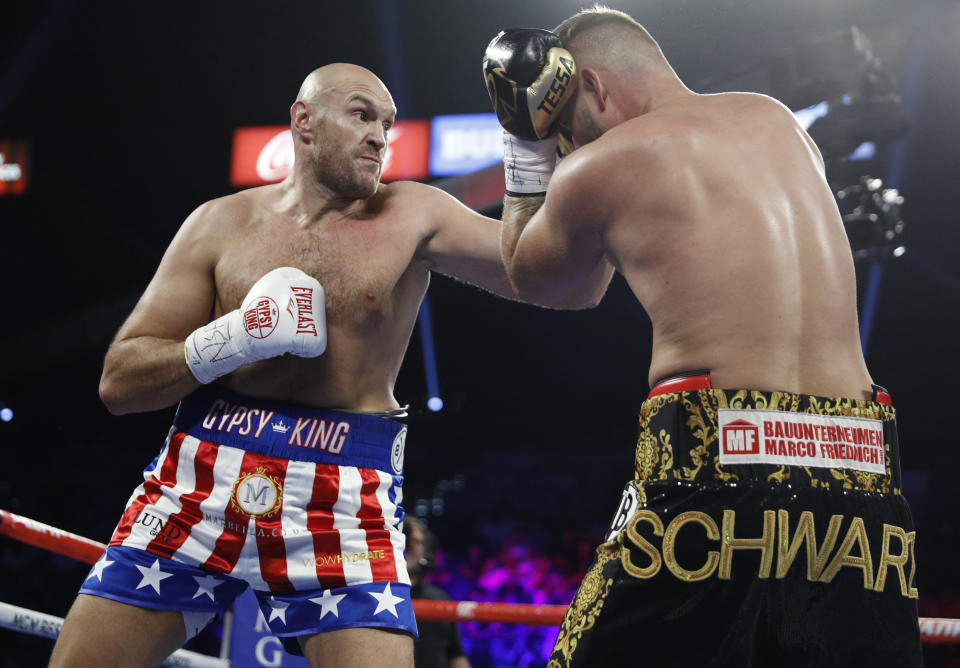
[(284, 312)]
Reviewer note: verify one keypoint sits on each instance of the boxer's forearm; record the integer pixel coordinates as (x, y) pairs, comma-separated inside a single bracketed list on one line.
[(145, 374), (517, 212), (547, 276)]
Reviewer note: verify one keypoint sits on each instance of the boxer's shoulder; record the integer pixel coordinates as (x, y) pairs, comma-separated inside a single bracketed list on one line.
[(637, 148), (234, 210), (403, 193), (416, 203)]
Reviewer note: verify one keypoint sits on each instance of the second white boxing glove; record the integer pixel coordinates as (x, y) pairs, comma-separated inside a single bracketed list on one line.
[(284, 312)]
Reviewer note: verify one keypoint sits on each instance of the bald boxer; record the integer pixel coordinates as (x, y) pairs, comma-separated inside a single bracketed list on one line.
[(765, 524), (278, 319)]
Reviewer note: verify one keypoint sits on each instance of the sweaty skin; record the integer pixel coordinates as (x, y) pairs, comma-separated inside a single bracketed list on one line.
[(716, 210), (372, 246)]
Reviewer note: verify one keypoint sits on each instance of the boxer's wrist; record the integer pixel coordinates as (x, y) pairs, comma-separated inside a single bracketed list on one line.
[(217, 348), (528, 165)]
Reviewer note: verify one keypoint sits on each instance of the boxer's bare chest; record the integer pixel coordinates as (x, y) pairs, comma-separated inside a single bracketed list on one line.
[(364, 264)]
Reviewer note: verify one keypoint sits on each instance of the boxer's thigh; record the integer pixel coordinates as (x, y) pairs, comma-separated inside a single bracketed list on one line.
[(105, 633), (368, 647)]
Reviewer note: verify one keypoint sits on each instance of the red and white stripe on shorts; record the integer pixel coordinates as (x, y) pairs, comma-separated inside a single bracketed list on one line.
[(335, 525)]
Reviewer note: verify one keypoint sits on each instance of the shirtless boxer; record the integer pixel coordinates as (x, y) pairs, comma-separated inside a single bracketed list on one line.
[(763, 526), (279, 317)]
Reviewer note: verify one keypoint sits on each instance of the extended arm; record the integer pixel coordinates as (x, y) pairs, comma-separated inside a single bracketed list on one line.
[(462, 243)]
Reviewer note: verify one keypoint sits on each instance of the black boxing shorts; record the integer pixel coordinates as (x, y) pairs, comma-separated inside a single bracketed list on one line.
[(761, 529)]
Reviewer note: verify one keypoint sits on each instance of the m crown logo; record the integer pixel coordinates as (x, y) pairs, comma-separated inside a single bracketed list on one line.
[(280, 428), (741, 438), (257, 493)]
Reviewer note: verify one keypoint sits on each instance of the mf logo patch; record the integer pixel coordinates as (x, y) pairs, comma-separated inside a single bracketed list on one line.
[(741, 437), (257, 494), (629, 503), (783, 438), (396, 452)]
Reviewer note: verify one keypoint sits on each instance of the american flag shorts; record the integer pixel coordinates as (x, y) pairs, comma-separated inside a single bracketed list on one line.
[(299, 504)]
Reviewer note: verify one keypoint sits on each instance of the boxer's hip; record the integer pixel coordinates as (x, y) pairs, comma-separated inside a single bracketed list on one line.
[(765, 524), (286, 498)]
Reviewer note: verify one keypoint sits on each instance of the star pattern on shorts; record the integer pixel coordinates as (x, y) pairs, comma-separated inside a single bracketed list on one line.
[(278, 610), (386, 601), (99, 567), (328, 603), (152, 576), (206, 585)]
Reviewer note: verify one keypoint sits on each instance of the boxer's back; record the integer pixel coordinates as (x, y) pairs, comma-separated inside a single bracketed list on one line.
[(732, 241)]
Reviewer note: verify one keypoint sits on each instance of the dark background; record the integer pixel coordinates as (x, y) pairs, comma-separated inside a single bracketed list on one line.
[(130, 110)]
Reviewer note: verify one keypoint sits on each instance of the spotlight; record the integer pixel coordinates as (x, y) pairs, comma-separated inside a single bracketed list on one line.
[(873, 219), (6, 413), (435, 404)]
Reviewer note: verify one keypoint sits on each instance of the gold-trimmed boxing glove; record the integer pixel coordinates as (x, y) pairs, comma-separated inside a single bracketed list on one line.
[(530, 78)]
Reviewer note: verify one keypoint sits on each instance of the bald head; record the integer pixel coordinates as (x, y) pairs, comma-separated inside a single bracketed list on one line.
[(337, 76), (611, 40), (340, 124)]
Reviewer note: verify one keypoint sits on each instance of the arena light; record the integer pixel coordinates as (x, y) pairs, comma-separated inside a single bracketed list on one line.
[(6, 413), (13, 166), (807, 116), (425, 323)]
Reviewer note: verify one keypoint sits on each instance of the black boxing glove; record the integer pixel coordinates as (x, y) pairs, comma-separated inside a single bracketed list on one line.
[(530, 78)]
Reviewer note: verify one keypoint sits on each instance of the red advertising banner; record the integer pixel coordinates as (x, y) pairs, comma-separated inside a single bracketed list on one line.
[(14, 160), (265, 154)]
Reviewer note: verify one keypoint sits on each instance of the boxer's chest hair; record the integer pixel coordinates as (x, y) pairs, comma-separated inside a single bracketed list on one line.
[(358, 263)]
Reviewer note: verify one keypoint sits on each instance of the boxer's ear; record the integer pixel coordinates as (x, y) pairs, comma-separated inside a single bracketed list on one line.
[(300, 118), (591, 85)]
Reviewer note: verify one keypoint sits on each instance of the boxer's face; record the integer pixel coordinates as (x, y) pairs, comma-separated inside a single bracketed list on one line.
[(351, 137)]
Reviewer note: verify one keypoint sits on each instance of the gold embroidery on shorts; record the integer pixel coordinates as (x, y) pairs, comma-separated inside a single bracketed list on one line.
[(730, 542), (646, 457), (645, 547), (912, 537), (669, 541), (857, 533), (816, 559), (897, 561), (586, 606)]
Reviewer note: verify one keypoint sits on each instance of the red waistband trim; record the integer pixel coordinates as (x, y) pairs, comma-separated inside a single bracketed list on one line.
[(881, 396), (681, 384), (702, 382)]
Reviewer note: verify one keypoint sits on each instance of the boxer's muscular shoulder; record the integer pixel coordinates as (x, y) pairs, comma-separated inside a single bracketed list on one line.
[(231, 212), (625, 153), (205, 236), (214, 223), (418, 204)]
